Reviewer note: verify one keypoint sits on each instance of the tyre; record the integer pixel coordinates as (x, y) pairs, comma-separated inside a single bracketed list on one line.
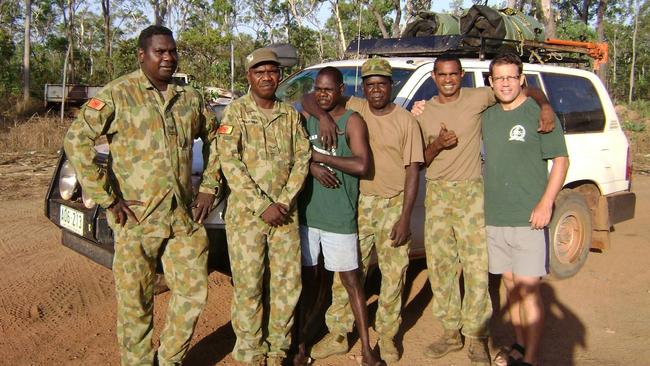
[(569, 234)]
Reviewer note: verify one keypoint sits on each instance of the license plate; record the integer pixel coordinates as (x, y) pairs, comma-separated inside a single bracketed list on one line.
[(72, 220)]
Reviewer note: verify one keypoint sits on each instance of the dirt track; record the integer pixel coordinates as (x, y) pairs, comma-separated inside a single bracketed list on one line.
[(58, 308)]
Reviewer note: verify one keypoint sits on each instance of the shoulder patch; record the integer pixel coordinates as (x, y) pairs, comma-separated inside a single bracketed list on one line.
[(224, 130), (96, 104)]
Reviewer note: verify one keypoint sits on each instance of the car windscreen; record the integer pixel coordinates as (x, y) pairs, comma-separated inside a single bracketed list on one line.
[(293, 88)]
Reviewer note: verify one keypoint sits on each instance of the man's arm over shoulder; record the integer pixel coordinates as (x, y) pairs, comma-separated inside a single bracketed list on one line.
[(327, 126), (546, 113), (301, 157), (95, 119), (232, 166)]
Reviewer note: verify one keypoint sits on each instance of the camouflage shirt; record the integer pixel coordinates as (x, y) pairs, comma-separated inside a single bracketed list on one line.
[(150, 135), (264, 159)]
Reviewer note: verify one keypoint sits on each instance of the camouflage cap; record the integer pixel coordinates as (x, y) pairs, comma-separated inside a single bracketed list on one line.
[(261, 55), (376, 66)]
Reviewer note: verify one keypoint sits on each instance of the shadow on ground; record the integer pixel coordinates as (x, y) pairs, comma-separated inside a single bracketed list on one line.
[(564, 333)]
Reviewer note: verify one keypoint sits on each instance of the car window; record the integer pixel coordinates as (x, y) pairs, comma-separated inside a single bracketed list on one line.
[(533, 80), (575, 102), (428, 88), (292, 89)]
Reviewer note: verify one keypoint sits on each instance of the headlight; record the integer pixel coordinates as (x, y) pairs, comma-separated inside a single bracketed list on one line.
[(88, 202), (67, 181)]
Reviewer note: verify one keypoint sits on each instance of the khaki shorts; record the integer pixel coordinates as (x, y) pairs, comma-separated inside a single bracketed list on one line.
[(520, 250)]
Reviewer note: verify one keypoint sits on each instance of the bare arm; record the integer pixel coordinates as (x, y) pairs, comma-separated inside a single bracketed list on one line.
[(359, 163), (402, 230), (541, 215), (546, 114)]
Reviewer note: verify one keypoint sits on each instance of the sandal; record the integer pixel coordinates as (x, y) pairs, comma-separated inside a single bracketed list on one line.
[(505, 357)]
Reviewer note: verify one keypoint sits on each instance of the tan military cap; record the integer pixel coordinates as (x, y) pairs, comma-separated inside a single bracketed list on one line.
[(261, 55), (376, 66)]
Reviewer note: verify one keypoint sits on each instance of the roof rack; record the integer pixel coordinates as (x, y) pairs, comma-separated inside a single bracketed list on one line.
[(551, 50)]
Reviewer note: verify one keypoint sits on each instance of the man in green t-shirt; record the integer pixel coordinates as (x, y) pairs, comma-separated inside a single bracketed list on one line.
[(519, 196), (327, 208)]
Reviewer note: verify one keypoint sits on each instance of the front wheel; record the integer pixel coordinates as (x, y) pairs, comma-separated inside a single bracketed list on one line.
[(569, 234)]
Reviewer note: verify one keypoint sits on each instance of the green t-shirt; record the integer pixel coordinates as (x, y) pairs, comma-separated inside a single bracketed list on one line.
[(330, 209), (516, 162)]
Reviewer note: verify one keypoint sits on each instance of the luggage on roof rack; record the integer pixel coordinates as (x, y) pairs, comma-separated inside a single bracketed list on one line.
[(484, 21), (549, 51)]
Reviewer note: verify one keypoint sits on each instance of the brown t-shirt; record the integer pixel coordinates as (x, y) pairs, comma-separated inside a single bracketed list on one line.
[(395, 141), (463, 116)]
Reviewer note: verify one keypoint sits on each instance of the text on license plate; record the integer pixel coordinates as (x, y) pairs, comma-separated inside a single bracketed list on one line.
[(72, 220)]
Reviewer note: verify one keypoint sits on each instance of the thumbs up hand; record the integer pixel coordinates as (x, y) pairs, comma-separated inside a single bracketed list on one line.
[(446, 139)]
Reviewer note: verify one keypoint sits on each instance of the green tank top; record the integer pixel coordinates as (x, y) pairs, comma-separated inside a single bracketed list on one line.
[(333, 210)]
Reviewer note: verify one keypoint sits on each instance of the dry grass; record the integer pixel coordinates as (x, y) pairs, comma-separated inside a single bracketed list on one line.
[(39, 134)]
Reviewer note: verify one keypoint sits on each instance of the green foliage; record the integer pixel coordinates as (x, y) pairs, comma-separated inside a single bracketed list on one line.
[(634, 126), (575, 30), (9, 67), (642, 107)]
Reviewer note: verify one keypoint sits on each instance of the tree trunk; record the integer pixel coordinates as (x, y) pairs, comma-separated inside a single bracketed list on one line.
[(379, 19), (106, 13), (160, 11), (339, 27), (585, 11), (27, 53), (68, 19), (615, 54), (632, 64), (398, 17), (600, 30), (549, 18)]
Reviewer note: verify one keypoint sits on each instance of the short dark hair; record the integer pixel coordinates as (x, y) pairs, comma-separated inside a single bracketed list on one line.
[(446, 57), (333, 72), (507, 58), (150, 31)]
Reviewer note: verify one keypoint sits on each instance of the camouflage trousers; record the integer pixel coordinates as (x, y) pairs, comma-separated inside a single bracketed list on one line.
[(377, 216), (185, 263), (454, 232), (265, 265)]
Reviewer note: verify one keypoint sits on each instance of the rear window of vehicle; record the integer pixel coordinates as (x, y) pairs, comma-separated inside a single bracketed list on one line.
[(575, 102), (293, 88)]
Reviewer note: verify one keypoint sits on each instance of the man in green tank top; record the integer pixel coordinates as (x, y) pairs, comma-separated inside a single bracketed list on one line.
[(327, 208)]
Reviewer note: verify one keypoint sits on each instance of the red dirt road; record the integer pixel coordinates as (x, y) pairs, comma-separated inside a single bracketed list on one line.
[(58, 308)]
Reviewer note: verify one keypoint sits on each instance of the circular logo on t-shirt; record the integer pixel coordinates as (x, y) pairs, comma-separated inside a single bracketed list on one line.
[(517, 133)]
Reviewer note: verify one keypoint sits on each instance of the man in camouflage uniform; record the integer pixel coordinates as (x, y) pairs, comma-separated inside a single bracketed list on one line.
[(150, 123), (385, 204), (264, 154), (454, 230)]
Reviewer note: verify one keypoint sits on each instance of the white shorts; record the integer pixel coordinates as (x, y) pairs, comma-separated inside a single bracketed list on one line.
[(341, 251), (520, 250)]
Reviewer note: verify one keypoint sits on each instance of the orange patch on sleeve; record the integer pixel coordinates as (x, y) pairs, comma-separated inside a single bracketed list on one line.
[(224, 130), (96, 104)]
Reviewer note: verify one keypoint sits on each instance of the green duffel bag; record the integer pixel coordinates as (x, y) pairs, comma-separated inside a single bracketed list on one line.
[(428, 23), (483, 21)]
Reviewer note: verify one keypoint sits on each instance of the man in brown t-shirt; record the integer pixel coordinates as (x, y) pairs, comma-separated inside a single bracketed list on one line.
[(455, 226), (385, 204)]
